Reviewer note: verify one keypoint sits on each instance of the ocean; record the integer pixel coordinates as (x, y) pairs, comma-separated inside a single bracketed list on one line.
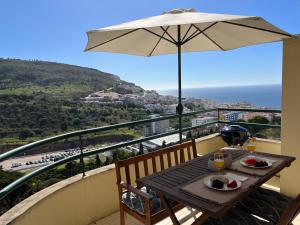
[(257, 95)]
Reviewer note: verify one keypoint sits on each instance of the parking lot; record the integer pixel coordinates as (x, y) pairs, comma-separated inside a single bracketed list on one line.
[(38, 160)]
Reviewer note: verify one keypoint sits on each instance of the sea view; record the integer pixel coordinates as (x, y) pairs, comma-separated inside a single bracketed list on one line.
[(258, 95)]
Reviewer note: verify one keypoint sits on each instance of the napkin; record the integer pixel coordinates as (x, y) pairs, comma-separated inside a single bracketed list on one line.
[(236, 177)]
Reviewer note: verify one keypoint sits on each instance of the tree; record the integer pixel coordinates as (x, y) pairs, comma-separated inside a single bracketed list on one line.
[(43, 122), (24, 134), (64, 126), (189, 135), (141, 149), (120, 154), (115, 155), (98, 161), (76, 122), (259, 119), (108, 160), (6, 178), (276, 120), (91, 164), (71, 168)]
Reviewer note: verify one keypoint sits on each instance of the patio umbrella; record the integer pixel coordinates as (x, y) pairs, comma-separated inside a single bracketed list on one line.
[(183, 30)]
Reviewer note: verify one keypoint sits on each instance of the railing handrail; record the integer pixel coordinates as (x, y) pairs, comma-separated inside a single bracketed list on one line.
[(251, 124), (52, 139), (17, 183), (12, 186), (250, 110)]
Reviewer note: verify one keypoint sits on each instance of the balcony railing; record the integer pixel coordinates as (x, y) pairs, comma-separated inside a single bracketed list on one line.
[(245, 123), (79, 134)]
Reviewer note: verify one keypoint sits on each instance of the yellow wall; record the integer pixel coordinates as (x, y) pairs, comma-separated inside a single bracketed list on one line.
[(81, 201), (290, 135), (268, 146), (209, 143)]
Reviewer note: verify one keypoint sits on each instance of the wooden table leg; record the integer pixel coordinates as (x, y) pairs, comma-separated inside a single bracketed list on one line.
[(169, 209), (201, 219)]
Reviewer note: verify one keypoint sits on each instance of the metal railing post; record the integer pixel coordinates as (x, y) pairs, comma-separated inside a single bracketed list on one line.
[(81, 157), (218, 118)]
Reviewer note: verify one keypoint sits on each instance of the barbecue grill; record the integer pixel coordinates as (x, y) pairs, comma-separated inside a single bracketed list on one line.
[(235, 135)]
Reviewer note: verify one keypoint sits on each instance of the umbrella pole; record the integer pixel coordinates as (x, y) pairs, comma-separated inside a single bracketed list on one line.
[(179, 107)]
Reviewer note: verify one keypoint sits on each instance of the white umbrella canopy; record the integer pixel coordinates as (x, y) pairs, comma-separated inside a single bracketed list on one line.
[(158, 35), (183, 30)]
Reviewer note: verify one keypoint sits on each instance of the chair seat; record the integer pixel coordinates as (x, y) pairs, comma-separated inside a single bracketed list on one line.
[(236, 217), (266, 204), (137, 203)]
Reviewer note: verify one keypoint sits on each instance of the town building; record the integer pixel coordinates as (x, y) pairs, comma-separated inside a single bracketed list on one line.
[(202, 120), (231, 116), (156, 127)]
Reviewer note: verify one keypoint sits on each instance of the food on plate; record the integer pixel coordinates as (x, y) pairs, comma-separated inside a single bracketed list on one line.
[(261, 164), (218, 184), (250, 162), (256, 162), (221, 178), (218, 181), (232, 184), (223, 182)]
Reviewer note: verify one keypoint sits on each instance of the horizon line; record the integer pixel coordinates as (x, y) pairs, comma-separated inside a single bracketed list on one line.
[(216, 86)]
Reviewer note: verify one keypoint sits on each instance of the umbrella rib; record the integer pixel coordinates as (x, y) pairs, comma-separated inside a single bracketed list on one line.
[(188, 30), (166, 31), (195, 32), (257, 28), (88, 49), (192, 37), (209, 38), (166, 39), (158, 42)]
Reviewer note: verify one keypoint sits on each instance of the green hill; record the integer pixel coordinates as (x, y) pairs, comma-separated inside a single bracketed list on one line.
[(39, 99), (39, 74)]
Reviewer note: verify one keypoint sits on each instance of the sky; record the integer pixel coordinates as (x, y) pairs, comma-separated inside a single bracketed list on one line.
[(55, 30)]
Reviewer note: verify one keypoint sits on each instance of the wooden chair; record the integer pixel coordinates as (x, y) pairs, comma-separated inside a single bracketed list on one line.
[(272, 206), (129, 170), (238, 216), (291, 212)]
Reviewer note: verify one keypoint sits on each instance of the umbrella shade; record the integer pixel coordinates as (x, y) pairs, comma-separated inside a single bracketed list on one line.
[(180, 31), (158, 35)]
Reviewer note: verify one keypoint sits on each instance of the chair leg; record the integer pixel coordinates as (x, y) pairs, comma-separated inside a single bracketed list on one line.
[(148, 212), (122, 216)]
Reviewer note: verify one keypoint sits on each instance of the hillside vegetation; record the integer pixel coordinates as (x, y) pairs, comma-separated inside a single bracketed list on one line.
[(39, 99)]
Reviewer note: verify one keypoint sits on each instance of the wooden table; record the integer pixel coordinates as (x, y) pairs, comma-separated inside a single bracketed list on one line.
[(168, 184)]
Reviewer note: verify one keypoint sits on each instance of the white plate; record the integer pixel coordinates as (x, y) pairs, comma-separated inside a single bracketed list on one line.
[(253, 167), (207, 182)]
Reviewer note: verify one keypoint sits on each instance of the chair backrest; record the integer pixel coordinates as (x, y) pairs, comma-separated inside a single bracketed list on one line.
[(129, 170), (290, 212)]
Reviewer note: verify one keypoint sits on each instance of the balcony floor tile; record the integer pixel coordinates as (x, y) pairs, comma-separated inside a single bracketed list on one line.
[(186, 216)]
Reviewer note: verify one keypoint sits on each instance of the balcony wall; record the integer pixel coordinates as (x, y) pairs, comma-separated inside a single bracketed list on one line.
[(290, 114), (81, 201)]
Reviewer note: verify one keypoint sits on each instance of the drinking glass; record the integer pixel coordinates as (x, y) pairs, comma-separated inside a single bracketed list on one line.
[(251, 146), (219, 161)]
